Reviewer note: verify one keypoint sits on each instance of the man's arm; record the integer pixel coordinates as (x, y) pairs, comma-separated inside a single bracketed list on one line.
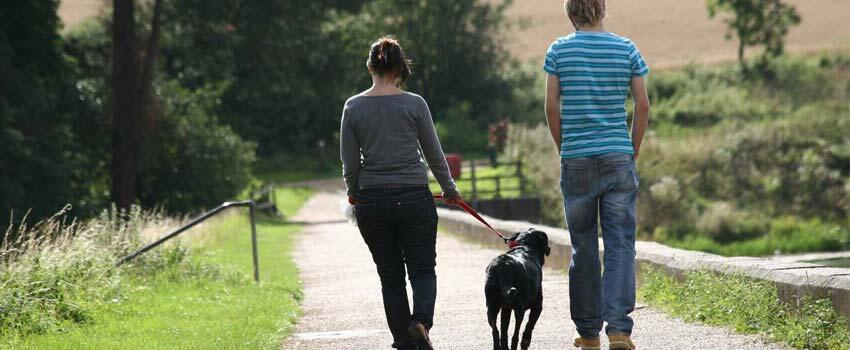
[(640, 119), (553, 108)]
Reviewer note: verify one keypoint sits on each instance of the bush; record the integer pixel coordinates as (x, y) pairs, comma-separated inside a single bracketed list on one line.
[(459, 132), (191, 160), (786, 235), (708, 107), (724, 223), (664, 209)]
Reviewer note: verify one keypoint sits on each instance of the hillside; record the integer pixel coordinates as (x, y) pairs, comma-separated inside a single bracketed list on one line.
[(674, 32)]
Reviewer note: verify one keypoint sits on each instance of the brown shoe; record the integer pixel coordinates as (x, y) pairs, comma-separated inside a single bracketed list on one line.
[(587, 343), (419, 333), (621, 342)]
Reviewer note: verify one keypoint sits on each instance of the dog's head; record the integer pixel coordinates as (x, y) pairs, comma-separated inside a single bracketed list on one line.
[(533, 239)]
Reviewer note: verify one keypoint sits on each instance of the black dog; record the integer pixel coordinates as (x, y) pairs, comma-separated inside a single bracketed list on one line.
[(514, 284)]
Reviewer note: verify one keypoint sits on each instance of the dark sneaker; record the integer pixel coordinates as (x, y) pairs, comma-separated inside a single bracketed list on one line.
[(418, 332)]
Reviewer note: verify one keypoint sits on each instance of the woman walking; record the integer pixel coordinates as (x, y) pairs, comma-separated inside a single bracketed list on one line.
[(382, 132)]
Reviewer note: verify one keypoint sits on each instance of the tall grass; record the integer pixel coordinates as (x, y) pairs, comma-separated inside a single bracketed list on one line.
[(196, 293), (55, 272)]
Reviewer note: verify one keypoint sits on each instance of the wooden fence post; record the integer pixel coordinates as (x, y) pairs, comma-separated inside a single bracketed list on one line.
[(474, 187)]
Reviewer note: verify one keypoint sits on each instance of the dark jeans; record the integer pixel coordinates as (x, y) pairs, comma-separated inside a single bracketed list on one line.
[(400, 227)]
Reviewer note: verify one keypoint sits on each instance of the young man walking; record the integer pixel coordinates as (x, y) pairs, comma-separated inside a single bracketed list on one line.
[(590, 73)]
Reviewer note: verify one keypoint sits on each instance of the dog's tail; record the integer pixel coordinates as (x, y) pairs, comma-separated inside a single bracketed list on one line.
[(506, 285), (509, 294)]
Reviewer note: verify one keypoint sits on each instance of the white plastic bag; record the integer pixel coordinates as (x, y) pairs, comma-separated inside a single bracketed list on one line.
[(348, 211)]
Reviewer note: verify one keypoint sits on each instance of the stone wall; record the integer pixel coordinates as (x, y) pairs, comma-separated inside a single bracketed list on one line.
[(793, 279)]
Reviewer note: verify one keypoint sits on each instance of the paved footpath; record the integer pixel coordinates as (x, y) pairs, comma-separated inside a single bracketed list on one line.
[(342, 299)]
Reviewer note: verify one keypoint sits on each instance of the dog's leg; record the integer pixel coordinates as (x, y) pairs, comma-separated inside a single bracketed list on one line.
[(506, 323), (492, 314), (534, 315), (520, 314)]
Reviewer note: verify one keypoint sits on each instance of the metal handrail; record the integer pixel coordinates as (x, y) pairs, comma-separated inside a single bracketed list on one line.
[(250, 204)]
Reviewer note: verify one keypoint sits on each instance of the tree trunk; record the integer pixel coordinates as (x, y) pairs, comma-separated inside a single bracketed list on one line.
[(132, 78), (124, 87), (149, 64), (741, 53)]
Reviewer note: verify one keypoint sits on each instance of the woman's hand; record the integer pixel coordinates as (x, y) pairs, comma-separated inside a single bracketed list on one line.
[(452, 198)]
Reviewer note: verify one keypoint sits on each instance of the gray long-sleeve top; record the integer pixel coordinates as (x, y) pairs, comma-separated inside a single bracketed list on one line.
[(380, 142)]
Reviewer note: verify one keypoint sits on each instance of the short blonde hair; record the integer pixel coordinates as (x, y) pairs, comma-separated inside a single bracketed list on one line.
[(585, 12)]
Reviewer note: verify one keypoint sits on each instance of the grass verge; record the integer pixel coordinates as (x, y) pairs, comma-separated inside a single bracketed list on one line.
[(748, 306), (209, 301)]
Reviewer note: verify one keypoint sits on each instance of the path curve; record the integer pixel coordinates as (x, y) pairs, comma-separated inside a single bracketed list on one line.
[(342, 305)]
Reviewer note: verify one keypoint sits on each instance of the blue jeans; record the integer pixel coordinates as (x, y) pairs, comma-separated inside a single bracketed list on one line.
[(601, 189)]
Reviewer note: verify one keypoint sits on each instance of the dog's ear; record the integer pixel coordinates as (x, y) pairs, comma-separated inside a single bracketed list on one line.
[(548, 250), (515, 236)]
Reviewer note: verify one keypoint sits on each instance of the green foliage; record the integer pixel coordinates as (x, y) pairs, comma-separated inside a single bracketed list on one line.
[(191, 161), (748, 306), (188, 162), (731, 164), (457, 131), (287, 94), (43, 162), (456, 50), (757, 22), (723, 185), (271, 57), (788, 235)]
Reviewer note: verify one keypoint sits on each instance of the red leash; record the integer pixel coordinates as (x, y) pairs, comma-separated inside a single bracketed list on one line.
[(469, 210)]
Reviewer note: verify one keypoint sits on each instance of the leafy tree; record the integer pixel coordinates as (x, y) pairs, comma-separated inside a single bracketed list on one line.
[(459, 63), (191, 160), (42, 165), (271, 57), (187, 160), (287, 67), (456, 49), (756, 22)]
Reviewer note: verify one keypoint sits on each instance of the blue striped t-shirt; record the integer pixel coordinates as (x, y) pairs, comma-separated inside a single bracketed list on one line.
[(595, 70)]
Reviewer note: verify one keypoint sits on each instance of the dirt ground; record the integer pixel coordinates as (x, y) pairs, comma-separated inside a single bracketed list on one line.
[(675, 32), (669, 32)]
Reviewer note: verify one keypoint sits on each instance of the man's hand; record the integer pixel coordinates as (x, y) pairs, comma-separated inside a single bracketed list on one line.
[(351, 200), (640, 121), (553, 109)]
